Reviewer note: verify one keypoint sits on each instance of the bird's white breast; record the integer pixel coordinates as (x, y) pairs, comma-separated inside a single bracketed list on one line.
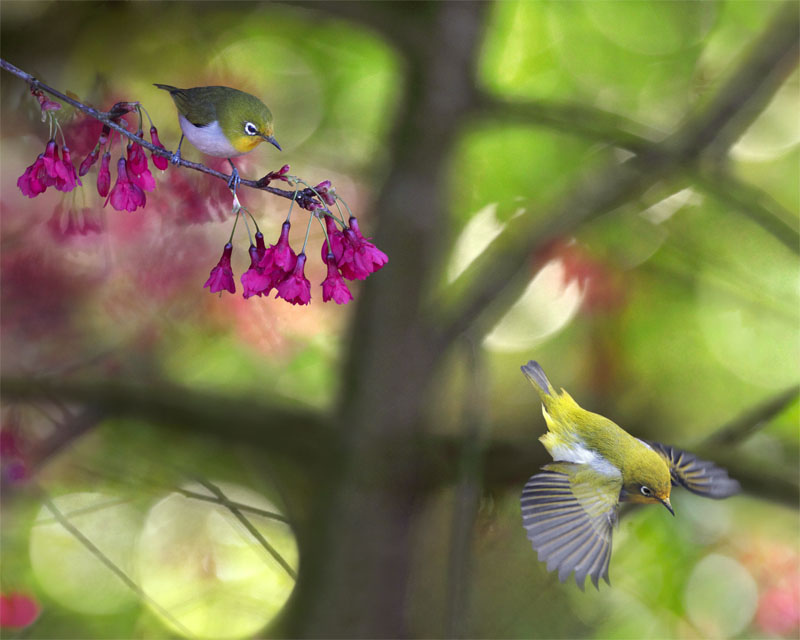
[(579, 453), (209, 139)]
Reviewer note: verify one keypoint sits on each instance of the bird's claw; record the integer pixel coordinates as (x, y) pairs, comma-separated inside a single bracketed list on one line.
[(176, 157), (234, 180)]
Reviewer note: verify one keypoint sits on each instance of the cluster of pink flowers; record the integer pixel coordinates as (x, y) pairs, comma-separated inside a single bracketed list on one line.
[(349, 255), (49, 170), (133, 174)]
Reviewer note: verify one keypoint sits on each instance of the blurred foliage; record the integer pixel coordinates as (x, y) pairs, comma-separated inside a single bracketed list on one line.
[(684, 313)]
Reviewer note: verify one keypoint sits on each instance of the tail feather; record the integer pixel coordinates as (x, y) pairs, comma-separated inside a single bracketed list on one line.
[(534, 372)]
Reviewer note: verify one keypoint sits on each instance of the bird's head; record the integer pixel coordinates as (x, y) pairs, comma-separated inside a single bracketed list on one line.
[(246, 121), (648, 479)]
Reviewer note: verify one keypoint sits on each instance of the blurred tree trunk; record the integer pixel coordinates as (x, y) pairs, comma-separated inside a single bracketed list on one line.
[(358, 559)]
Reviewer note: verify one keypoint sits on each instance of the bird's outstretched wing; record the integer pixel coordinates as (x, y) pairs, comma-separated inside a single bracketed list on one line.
[(698, 476), (569, 511)]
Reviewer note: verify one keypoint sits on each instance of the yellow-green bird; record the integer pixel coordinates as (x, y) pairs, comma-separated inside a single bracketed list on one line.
[(570, 509), (221, 122)]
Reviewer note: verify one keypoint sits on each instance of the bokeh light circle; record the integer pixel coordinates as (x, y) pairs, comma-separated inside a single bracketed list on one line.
[(207, 571), (67, 571), (720, 596)]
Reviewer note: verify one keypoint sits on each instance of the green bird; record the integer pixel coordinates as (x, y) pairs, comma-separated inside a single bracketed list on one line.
[(570, 509), (221, 122)]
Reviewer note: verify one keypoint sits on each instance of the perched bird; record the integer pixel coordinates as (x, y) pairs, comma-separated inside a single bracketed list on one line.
[(570, 508), (221, 122)]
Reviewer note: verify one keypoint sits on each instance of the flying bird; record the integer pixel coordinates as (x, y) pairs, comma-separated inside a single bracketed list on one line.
[(569, 509)]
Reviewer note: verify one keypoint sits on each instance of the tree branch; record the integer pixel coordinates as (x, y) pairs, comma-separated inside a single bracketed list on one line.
[(614, 129), (493, 281), (745, 425), (302, 197), (299, 433)]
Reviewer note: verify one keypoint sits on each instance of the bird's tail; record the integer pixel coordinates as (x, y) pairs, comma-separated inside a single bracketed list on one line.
[(534, 372)]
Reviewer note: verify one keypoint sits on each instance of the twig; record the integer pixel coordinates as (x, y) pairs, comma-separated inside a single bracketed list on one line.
[(249, 526), (298, 432), (745, 425), (238, 505), (610, 128), (103, 558), (756, 204), (303, 197)]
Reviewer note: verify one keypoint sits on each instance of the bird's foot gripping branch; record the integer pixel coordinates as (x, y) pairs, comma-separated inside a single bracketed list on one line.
[(346, 253)]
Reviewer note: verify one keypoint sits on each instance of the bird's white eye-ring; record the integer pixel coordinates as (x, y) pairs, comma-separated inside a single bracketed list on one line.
[(250, 129), (646, 491)]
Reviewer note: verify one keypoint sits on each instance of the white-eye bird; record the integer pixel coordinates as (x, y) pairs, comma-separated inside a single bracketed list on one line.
[(570, 509), (221, 122)]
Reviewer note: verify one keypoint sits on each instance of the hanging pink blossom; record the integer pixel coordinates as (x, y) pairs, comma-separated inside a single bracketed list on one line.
[(221, 277), (126, 195), (334, 287), (296, 288)]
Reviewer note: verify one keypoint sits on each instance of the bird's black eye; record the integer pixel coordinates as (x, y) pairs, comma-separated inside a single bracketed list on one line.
[(646, 491), (250, 129)]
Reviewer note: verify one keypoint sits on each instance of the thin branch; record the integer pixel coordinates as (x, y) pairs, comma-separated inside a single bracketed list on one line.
[(745, 425), (257, 421), (303, 197), (493, 282), (571, 118), (614, 129), (234, 509), (105, 560), (755, 203), (238, 505)]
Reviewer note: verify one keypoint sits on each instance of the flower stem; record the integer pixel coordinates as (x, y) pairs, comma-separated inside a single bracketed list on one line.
[(235, 220), (308, 230), (291, 206), (327, 239)]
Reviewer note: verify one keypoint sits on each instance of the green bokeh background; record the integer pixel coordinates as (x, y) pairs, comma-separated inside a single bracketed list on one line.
[(697, 320)]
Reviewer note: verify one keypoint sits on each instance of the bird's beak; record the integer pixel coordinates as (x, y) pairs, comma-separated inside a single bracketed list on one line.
[(667, 504), (272, 141)]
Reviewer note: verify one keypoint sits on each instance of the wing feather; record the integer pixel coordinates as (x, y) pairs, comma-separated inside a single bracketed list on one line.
[(698, 476), (568, 515)]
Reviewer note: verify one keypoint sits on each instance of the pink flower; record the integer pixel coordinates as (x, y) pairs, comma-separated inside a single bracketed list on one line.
[(261, 248), (71, 179), (326, 192), (280, 255), (336, 240), (334, 287), (160, 162), (104, 176), (45, 103), (137, 160), (137, 165), (88, 162), (125, 195), (53, 165), (35, 180), (254, 280), (360, 257), (221, 277), (296, 288), (17, 610)]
